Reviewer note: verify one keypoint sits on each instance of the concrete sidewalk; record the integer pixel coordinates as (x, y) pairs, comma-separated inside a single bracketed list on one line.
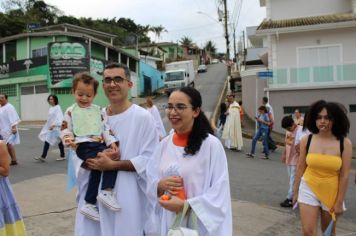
[(49, 210)]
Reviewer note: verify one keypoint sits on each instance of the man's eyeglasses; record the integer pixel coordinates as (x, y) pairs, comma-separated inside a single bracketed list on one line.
[(179, 108), (116, 80)]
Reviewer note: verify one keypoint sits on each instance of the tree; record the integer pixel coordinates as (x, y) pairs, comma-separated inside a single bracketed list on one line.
[(158, 30), (186, 42), (210, 47)]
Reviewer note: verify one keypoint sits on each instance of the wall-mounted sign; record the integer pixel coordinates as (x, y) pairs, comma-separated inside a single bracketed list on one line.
[(66, 59), (21, 67)]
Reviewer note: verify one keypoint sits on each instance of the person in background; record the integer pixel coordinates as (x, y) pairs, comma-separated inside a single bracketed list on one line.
[(50, 133), (9, 119), (271, 144), (290, 155), (301, 133), (263, 126), (242, 113), (11, 222), (298, 118), (157, 117), (193, 160), (232, 132), (323, 167)]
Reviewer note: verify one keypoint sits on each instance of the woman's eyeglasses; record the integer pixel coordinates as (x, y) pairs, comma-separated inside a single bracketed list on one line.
[(179, 108), (116, 80)]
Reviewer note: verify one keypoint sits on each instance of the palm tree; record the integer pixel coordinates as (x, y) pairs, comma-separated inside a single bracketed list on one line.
[(186, 42), (210, 47), (158, 30)]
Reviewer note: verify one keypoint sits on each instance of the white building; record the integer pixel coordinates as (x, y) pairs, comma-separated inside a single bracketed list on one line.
[(312, 54)]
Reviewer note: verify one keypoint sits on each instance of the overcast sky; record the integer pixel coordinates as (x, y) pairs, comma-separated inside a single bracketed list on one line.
[(179, 17)]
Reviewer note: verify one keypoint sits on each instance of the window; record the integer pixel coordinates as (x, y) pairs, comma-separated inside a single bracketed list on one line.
[(352, 107), (27, 90), (41, 89), (62, 91), (132, 64), (39, 52), (291, 109), (9, 90)]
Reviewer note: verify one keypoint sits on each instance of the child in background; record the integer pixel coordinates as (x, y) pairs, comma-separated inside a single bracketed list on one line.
[(85, 129), (290, 155), (263, 126)]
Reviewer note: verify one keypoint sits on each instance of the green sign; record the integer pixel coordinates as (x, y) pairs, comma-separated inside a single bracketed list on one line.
[(67, 51)]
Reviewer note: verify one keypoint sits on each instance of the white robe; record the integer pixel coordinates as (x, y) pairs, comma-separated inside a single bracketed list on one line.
[(159, 124), (206, 183), (9, 118), (55, 117), (135, 128), (232, 129)]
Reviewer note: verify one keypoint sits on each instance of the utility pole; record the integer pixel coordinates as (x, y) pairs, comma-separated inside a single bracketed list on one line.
[(227, 40), (235, 46)]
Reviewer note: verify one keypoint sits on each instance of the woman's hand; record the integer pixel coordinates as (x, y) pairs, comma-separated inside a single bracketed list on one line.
[(174, 204), (295, 198), (170, 184), (338, 208), (51, 127), (13, 130)]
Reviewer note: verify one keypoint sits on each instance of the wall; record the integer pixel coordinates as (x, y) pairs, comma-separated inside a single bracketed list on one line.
[(157, 79), (248, 84), (345, 96), (21, 49), (288, 9), (287, 44)]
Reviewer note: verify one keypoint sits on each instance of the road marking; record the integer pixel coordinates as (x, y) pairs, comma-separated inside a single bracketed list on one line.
[(23, 128)]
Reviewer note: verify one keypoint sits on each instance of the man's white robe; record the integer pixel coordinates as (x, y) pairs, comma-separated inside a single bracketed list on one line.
[(9, 118), (206, 183), (159, 124), (135, 128), (232, 132), (55, 118)]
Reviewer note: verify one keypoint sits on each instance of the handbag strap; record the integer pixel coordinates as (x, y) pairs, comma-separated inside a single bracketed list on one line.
[(180, 216)]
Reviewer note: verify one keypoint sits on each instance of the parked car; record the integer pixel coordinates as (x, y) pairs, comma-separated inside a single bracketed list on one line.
[(215, 61), (202, 68)]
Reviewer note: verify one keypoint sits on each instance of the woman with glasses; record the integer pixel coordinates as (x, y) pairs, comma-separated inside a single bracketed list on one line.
[(50, 133), (192, 160)]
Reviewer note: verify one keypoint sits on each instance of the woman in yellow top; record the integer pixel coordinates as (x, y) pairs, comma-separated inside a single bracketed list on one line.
[(323, 166)]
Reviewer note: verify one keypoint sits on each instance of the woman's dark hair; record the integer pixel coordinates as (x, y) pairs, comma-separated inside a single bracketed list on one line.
[(336, 113), (306, 113), (55, 99), (223, 107), (263, 108), (201, 126)]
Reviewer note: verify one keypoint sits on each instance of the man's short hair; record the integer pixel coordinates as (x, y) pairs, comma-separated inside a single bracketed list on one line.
[(4, 94), (265, 99), (287, 122), (119, 65)]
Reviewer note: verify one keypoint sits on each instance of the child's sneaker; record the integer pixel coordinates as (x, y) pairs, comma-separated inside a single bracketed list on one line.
[(108, 199), (41, 159), (286, 203), (90, 211), (265, 157)]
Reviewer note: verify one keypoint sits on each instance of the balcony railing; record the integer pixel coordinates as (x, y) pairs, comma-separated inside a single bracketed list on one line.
[(315, 76)]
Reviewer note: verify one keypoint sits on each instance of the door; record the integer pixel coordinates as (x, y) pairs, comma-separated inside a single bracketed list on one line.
[(147, 89), (34, 105)]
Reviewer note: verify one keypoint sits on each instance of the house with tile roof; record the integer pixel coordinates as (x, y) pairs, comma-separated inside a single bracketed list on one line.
[(311, 54)]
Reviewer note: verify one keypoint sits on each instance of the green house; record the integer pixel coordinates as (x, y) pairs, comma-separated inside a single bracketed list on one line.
[(36, 64)]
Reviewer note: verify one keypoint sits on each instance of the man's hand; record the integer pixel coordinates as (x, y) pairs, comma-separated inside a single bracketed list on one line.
[(113, 154), (102, 162)]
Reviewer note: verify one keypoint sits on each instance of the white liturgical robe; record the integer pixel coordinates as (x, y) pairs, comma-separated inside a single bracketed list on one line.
[(9, 118), (135, 128), (55, 118)]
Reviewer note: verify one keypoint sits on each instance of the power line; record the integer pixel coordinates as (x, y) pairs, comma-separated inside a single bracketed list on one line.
[(193, 27)]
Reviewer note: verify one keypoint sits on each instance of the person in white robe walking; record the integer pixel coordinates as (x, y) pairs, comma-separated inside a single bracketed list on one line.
[(135, 128), (232, 133), (50, 132), (9, 119), (193, 161), (157, 117)]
